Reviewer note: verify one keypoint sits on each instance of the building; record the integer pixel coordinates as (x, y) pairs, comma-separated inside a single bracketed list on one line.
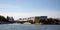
[(31, 18), (40, 16), (10, 18), (37, 19)]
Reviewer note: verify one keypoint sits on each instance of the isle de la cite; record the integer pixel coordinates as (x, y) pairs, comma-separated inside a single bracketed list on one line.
[(31, 20)]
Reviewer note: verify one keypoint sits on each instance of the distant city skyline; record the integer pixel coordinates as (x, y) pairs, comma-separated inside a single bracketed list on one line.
[(28, 8)]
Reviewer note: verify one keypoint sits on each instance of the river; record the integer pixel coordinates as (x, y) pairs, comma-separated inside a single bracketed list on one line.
[(28, 27)]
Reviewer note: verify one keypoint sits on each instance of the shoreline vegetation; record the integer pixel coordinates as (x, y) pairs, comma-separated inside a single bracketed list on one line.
[(37, 20)]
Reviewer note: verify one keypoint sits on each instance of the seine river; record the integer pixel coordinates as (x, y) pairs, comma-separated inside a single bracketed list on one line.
[(28, 27)]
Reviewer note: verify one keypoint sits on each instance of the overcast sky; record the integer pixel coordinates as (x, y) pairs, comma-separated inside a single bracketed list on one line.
[(27, 8)]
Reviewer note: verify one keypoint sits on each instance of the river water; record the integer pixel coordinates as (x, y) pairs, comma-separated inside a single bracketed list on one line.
[(28, 27)]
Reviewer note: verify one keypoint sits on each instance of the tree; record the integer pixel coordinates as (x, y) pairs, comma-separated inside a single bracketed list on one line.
[(43, 21), (37, 19), (50, 20), (2, 18), (10, 19)]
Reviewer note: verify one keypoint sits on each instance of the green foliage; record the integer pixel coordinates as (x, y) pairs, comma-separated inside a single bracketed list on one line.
[(2, 18), (49, 21), (37, 20)]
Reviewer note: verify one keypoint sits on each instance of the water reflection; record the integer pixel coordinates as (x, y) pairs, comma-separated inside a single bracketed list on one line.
[(28, 27)]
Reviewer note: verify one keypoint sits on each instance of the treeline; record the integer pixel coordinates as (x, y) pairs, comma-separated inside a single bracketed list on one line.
[(4, 20), (49, 21)]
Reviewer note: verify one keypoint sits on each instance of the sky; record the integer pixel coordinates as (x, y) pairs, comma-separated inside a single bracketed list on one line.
[(30, 8)]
